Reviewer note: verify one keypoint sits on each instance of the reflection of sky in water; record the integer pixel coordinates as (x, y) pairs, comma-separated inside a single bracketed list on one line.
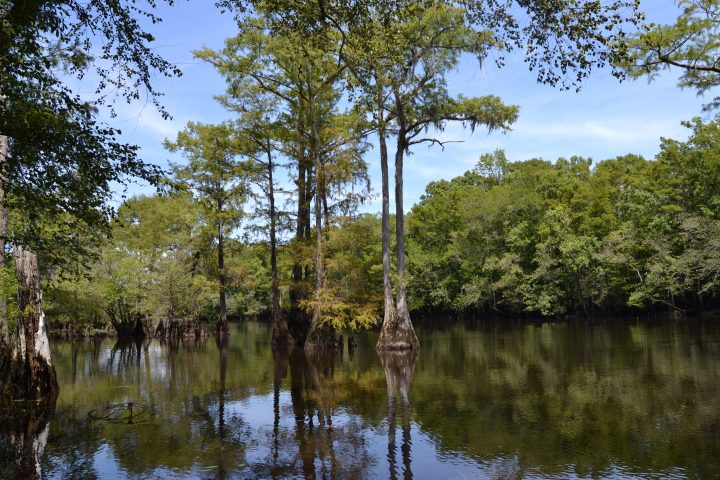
[(477, 401), (428, 462)]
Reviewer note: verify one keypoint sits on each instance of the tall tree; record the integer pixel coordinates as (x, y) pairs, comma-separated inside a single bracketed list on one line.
[(259, 129), (418, 48), (301, 73), (219, 180)]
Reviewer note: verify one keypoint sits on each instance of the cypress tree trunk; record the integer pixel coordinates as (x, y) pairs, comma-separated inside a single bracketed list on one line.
[(280, 333), (31, 369), (297, 275), (222, 327), (399, 335), (4, 325), (299, 322), (389, 304), (321, 334)]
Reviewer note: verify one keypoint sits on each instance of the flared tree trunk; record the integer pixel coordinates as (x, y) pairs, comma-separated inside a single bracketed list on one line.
[(31, 370), (400, 334)]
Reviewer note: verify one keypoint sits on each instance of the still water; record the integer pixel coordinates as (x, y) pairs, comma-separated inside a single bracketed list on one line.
[(553, 400)]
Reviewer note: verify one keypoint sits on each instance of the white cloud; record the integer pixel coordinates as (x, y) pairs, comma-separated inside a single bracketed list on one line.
[(609, 130)]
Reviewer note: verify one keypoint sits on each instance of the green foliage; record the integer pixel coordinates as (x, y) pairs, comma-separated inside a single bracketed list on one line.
[(563, 238), (62, 164), (352, 298), (156, 268), (8, 290), (691, 44), (249, 272)]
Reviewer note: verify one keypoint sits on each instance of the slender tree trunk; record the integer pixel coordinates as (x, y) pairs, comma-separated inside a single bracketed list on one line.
[(389, 304), (280, 333), (401, 334), (4, 325), (222, 327), (310, 190), (321, 334), (297, 274)]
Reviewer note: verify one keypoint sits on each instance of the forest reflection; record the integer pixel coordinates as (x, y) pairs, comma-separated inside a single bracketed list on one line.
[(526, 400)]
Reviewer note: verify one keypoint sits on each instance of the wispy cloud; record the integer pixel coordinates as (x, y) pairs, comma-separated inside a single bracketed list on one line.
[(609, 130)]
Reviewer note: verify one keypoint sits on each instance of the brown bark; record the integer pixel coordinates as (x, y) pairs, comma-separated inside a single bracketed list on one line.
[(222, 327), (31, 365), (321, 334), (4, 325), (280, 333)]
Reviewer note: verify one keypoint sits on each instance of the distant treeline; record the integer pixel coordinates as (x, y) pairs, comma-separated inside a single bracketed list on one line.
[(527, 237), (570, 237)]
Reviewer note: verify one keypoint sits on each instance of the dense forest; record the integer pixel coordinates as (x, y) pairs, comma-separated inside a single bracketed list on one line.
[(538, 237)]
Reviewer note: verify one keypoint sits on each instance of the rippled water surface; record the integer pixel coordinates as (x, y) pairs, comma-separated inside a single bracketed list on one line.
[(555, 400)]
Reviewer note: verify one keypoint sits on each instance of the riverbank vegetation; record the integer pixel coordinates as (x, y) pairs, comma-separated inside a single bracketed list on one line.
[(531, 237), (264, 217)]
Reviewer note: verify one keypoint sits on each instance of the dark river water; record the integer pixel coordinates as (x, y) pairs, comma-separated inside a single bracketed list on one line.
[(553, 400)]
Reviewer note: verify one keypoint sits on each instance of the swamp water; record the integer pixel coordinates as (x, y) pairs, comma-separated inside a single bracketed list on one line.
[(559, 400)]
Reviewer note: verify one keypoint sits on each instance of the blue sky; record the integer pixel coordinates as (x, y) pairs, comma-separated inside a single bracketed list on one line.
[(605, 119)]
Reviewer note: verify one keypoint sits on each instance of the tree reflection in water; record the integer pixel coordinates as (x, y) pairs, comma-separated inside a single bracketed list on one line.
[(399, 367), (559, 400), (223, 469), (320, 441), (24, 432)]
